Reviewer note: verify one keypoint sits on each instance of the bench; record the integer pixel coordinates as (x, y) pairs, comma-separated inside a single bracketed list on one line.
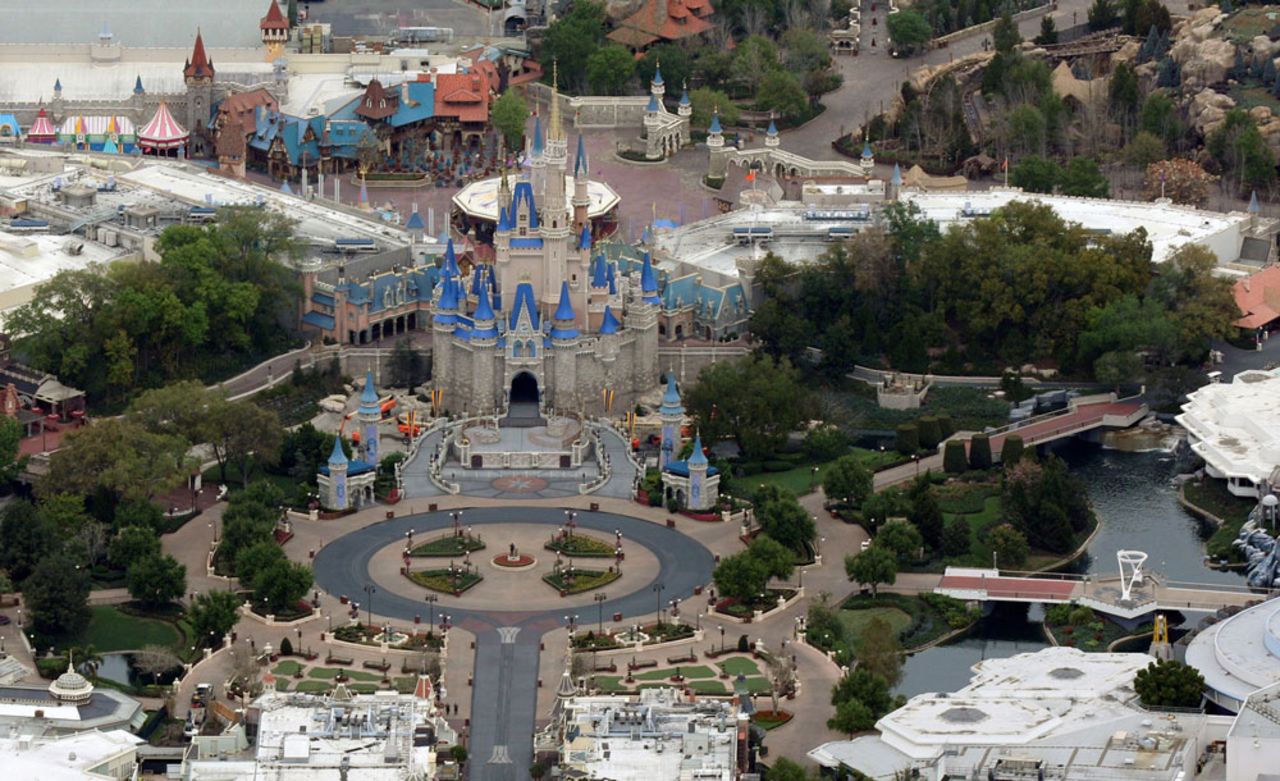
[(341, 661), (381, 667), (611, 667), (643, 663), (686, 659)]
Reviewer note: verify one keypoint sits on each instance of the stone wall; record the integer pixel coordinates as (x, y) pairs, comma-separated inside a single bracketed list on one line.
[(596, 112), (687, 362)]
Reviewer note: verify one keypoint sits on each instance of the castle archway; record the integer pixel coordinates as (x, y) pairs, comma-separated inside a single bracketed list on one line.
[(524, 389)]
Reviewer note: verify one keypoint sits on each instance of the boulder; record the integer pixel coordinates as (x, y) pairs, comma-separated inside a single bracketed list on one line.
[(1262, 46), (1260, 114), (1206, 62), (1207, 109)]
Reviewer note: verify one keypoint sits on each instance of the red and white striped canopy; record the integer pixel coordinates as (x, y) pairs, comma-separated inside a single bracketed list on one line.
[(163, 131), (42, 129)]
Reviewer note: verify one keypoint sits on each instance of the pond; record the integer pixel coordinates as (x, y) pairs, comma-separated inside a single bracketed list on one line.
[(1137, 508), (122, 668)]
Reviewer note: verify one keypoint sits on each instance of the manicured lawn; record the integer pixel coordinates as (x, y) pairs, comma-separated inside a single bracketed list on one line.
[(583, 580), (448, 545), (286, 668), (855, 622), (112, 630), (611, 683), (706, 687), (755, 685), (801, 479), (582, 545), (329, 673), (739, 665), (442, 581), (696, 671)]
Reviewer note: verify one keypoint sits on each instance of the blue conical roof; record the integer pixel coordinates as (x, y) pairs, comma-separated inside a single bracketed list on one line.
[(448, 302), (57, 85), (866, 149), (369, 395), (773, 127), (504, 219), (477, 279), (649, 282), (486, 326), (610, 324), (450, 260), (286, 189), (599, 272), (652, 108), (565, 309), (337, 456), (415, 222), (613, 282), (137, 85), (671, 404), (537, 134), (684, 97), (1253, 203), (484, 312), (697, 457), (584, 241), (580, 165), (524, 301), (657, 74), (715, 123), (896, 179)]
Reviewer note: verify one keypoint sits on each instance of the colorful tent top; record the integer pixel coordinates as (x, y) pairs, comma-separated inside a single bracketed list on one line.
[(163, 131), (9, 128), (110, 134), (42, 130)]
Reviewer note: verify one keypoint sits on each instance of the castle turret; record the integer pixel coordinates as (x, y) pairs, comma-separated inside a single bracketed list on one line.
[(895, 184), (715, 134), (672, 415), (336, 497), (556, 230), (771, 135), (649, 282), (868, 160), (198, 75), (370, 413), (657, 87), (700, 497), (274, 28), (581, 197), (415, 226), (685, 109), (564, 326), (537, 157)]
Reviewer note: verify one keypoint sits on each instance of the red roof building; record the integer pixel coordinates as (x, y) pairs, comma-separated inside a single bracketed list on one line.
[(663, 20), (199, 66), (462, 95), (242, 108), (275, 20), (377, 103), (1258, 297)]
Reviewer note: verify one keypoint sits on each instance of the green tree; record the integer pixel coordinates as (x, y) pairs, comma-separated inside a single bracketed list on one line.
[(868, 688), (784, 769), (930, 432), (979, 452), (925, 513), (1103, 15), (901, 538), (785, 520), (954, 459), (1005, 34), (1082, 177), (1169, 684), (1248, 162), (119, 457), (57, 597), (955, 538), (1009, 545), (782, 93), (804, 51), (1159, 117), (677, 66), (825, 442), (256, 558), (610, 69), (11, 461), (908, 30), (244, 434), (907, 439), (778, 560), (741, 576), (508, 115), (132, 544), (704, 100), (871, 567), (155, 580), (213, 615), (755, 58), (880, 507), (63, 512), (852, 716), (1011, 450), (407, 368), (755, 400), (879, 651), (1199, 303), (1035, 174), (280, 586), (570, 41), (1048, 32), (847, 480), (1123, 94), (25, 539), (1143, 150)]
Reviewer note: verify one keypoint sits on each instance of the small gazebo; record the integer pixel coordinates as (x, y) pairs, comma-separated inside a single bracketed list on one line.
[(162, 134), (42, 130)]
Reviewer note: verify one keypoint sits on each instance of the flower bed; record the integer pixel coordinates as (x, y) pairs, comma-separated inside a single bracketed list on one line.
[(767, 719), (581, 546), (583, 580), (594, 642), (520, 561), (367, 635), (444, 581), (731, 606), (449, 545), (704, 517)]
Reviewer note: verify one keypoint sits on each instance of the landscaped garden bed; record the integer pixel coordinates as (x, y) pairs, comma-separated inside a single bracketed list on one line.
[(1080, 627), (581, 546), (448, 546), (745, 609), (718, 679), (768, 719), (368, 635), (521, 561), (446, 580), (579, 581), (919, 620)]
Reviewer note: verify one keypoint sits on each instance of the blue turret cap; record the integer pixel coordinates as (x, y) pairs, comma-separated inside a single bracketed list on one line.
[(610, 324), (1253, 203), (896, 179), (652, 108), (671, 404), (450, 260), (415, 223), (773, 127), (368, 396), (613, 282), (684, 97), (715, 123), (657, 74), (649, 282), (697, 457), (484, 312), (537, 134), (565, 309), (504, 219), (448, 302), (337, 456), (584, 241), (137, 85), (285, 188), (580, 165), (866, 149), (477, 279), (599, 272), (57, 85)]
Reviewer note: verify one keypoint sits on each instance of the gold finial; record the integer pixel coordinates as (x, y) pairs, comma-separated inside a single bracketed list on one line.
[(555, 131)]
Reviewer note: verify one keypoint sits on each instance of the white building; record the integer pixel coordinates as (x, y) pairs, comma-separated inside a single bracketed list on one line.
[(1253, 744), (384, 736), (1235, 427), (87, 756), (657, 735), (1239, 655), (1058, 713)]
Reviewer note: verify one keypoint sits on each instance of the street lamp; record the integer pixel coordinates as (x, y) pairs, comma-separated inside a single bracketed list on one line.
[(722, 639), (916, 458), (456, 515), (369, 591), (658, 588), (600, 597), (432, 599), (570, 522), (572, 620)]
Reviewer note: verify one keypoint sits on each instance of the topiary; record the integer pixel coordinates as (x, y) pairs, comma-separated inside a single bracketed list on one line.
[(908, 439), (1011, 450), (953, 458), (980, 452), (744, 644), (930, 432), (286, 647), (946, 426)]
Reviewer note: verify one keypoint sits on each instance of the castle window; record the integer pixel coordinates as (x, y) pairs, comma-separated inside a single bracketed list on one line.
[(518, 350), (533, 350)]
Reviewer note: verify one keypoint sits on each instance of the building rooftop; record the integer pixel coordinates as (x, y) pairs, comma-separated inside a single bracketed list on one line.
[(29, 260), (66, 757), (149, 23), (1235, 426), (28, 73), (480, 199), (1239, 654)]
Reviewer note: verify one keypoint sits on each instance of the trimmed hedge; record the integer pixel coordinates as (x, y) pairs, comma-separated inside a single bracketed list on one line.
[(954, 461), (908, 439), (980, 452), (1011, 450), (930, 432), (946, 426)]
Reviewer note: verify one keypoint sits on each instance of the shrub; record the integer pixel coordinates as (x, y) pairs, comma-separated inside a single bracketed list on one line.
[(1011, 450), (930, 432), (953, 458), (946, 426), (286, 647), (744, 644), (777, 466), (980, 452), (908, 439)]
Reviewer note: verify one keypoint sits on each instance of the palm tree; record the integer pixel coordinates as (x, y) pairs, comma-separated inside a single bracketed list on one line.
[(87, 659)]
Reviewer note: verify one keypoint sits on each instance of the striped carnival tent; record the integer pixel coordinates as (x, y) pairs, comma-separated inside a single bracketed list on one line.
[(93, 132), (163, 134), (42, 130)]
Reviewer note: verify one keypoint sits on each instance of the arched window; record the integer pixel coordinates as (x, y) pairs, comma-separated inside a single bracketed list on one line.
[(518, 350)]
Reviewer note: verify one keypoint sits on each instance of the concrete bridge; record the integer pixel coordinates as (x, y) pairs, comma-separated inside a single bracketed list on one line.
[(1129, 595)]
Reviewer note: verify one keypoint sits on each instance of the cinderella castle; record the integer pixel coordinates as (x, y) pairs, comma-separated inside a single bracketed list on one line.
[(551, 321)]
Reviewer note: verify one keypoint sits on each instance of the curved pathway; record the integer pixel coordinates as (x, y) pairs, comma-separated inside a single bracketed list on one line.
[(504, 693)]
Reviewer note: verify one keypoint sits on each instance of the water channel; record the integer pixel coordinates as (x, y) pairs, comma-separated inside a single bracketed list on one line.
[(1137, 508)]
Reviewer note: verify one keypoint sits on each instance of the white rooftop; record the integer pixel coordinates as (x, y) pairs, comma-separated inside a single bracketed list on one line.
[(66, 757), (25, 78), (27, 260), (136, 22), (480, 199), (1235, 426), (1240, 654)]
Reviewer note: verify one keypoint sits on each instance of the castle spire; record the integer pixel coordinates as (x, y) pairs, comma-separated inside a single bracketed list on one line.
[(555, 132)]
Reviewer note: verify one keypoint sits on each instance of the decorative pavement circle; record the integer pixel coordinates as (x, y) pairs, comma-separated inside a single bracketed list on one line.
[(519, 484), (521, 561)]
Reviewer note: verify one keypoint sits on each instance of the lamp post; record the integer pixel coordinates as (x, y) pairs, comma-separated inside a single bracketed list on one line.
[(916, 458), (456, 515), (570, 520), (369, 591), (658, 588), (572, 621), (432, 599), (722, 639), (600, 597)]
